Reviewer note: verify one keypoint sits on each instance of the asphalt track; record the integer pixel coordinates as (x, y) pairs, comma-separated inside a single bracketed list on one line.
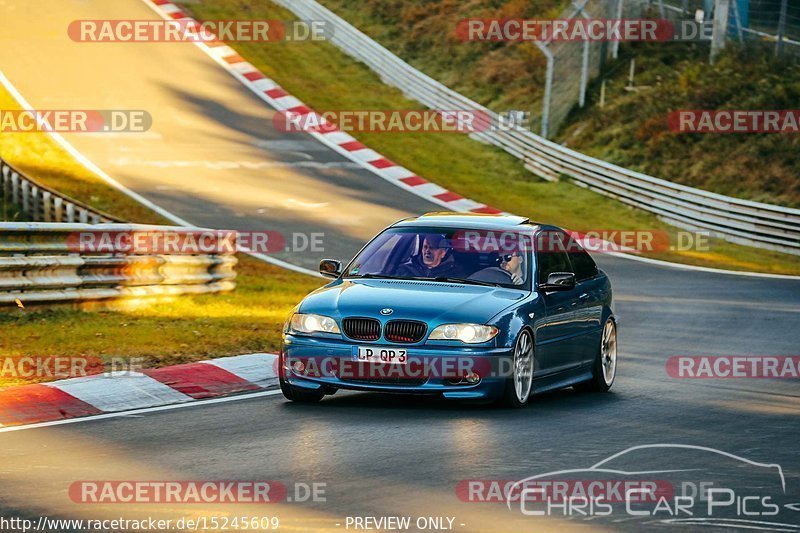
[(213, 159)]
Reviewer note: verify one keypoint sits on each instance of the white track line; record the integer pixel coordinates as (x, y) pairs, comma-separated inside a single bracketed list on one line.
[(145, 410), (682, 266)]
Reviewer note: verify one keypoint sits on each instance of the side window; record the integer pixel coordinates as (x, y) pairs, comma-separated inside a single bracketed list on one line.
[(582, 263), (551, 255)]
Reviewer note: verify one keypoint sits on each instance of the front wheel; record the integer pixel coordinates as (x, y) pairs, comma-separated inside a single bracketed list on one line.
[(519, 384), (294, 395), (605, 365)]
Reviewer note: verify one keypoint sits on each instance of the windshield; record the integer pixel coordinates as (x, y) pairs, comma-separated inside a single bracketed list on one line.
[(442, 254)]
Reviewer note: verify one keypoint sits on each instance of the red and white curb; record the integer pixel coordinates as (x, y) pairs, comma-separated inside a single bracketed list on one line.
[(122, 391), (341, 142)]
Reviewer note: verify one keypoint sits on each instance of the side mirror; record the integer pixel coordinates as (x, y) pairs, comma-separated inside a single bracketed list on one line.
[(330, 268), (559, 281)]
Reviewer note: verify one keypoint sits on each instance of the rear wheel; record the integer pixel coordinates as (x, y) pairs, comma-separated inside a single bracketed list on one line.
[(519, 384), (605, 365)]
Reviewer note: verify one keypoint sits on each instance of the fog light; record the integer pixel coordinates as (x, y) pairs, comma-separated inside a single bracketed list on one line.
[(299, 367), (472, 378)]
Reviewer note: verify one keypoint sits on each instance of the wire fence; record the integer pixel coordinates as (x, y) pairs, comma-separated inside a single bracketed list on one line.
[(571, 64), (768, 20)]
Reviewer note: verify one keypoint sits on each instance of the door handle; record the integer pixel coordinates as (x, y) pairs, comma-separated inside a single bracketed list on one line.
[(583, 297)]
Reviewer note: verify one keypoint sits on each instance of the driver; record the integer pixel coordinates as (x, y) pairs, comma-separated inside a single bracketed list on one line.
[(512, 263), (433, 261)]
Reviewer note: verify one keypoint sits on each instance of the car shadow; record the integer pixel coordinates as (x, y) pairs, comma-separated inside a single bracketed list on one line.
[(565, 401)]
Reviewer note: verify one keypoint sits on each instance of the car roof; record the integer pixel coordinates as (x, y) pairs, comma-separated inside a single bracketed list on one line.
[(448, 219)]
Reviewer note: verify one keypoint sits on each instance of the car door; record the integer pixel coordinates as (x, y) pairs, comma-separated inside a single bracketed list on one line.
[(558, 332), (588, 305)]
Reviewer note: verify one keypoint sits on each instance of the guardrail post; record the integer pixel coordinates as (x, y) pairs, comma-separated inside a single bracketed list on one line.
[(6, 182), (70, 209), (83, 216), (58, 209), (14, 188), (35, 204), (26, 197), (47, 206)]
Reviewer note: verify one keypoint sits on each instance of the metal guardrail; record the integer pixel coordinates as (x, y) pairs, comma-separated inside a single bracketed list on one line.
[(43, 204), (44, 262), (735, 220)]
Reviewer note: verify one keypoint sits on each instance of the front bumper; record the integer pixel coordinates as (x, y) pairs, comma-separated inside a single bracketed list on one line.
[(431, 370)]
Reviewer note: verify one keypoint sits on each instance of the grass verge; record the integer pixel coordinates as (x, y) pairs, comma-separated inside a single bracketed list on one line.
[(327, 79)]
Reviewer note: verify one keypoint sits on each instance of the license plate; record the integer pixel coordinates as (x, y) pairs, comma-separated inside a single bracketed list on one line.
[(373, 354)]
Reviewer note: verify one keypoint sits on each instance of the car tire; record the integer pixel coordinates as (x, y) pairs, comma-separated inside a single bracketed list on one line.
[(604, 369), (294, 395), (519, 387)]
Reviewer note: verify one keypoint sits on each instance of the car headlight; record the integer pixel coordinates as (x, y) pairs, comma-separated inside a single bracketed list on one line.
[(468, 333), (310, 323)]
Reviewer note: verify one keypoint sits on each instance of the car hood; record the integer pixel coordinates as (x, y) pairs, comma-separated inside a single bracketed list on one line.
[(431, 302)]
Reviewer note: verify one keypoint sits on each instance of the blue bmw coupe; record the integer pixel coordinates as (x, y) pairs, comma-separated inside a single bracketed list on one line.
[(472, 307)]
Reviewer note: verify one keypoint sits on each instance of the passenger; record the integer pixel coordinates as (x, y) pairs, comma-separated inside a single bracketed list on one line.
[(512, 263), (435, 260)]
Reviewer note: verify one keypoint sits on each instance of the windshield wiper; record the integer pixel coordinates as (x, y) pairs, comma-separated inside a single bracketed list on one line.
[(440, 279), (466, 281)]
